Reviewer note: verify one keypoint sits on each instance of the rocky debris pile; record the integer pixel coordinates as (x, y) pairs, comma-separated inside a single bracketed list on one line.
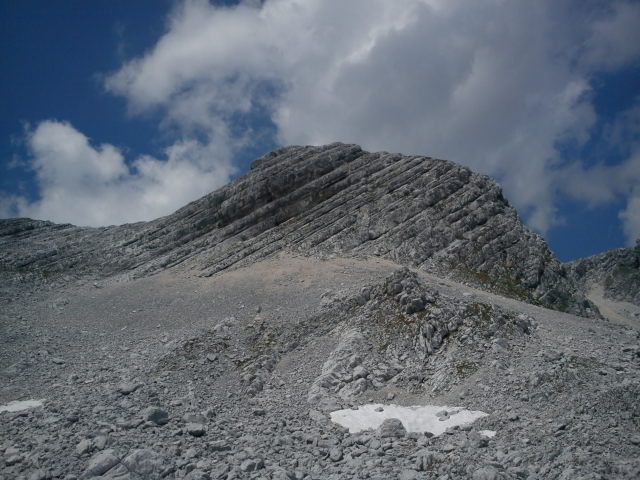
[(334, 199), (560, 392), (402, 334), (537, 439), (617, 271)]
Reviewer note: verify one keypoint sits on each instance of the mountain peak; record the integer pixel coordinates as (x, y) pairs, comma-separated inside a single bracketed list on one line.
[(334, 199)]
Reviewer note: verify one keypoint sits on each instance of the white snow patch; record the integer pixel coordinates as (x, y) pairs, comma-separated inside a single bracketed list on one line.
[(487, 433), (415, 419), (19, 405)]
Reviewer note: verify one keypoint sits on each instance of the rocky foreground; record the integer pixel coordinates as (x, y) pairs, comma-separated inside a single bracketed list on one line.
[(235, 376), (230, 339)]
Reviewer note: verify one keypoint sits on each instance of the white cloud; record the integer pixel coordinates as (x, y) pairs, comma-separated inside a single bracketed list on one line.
[(93, 185), (604, 182), (601, 183), (615, 39), (488, 84), (492, 84)]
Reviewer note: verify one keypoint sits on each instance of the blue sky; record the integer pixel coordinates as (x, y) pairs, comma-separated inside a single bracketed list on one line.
[(117, 111)]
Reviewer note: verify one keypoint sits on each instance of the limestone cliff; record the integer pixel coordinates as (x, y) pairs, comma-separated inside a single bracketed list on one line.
[(334, 199)]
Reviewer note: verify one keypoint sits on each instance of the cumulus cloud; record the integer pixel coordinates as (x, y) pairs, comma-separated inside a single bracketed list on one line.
[(493, 84), (615, 39), (489, 84), (93, 184), (603, 183)]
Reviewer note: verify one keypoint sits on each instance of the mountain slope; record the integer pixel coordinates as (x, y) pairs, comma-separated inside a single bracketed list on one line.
[(226, 340), (334, 199), (617, 272), (236, 376)]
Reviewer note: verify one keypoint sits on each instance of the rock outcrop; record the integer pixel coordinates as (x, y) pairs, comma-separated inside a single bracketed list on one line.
[(617, 271), (334, 199)]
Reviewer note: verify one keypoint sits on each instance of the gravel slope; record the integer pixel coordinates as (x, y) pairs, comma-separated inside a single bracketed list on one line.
[(233, 376)]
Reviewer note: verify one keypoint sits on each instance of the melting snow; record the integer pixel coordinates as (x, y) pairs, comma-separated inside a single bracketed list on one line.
[(19, 405), (487, 433), (427, 418)]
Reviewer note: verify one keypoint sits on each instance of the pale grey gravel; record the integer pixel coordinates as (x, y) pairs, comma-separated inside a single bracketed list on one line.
[(283, 297)]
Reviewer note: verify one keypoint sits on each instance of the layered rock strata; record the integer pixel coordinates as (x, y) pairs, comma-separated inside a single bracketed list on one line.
[(334, 199)]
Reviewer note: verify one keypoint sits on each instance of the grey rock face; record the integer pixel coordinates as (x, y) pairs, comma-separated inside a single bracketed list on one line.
[(126, 388), (196, 429), (392, 428), (252, 465), (334, 199), (145, 463), (335, 454), (486, 473), (156, 415), (101, 463), (618, 271), (84, 446), (12, 460), (408, 475)]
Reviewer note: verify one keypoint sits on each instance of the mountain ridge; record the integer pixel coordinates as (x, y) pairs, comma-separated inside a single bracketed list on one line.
[(335, 199)]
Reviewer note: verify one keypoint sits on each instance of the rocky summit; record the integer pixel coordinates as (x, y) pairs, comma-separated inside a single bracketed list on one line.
[(430, 214), (332, 314)]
